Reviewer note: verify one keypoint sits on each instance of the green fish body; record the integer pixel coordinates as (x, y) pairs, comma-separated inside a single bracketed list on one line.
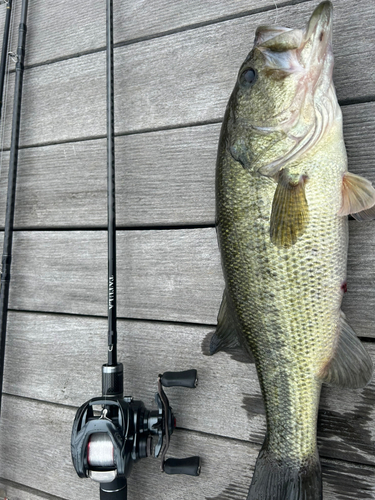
[(283, 195)]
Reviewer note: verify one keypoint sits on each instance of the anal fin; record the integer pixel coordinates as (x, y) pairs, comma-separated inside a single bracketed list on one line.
[(351, 365), (225, 336)]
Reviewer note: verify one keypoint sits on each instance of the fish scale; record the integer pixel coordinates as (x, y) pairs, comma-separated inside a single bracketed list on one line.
[(283, 236)]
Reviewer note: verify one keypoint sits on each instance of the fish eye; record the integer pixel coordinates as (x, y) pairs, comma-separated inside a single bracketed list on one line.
[(248, 77)]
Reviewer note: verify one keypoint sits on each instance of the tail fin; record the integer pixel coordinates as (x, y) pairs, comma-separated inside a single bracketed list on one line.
[(275, 479)]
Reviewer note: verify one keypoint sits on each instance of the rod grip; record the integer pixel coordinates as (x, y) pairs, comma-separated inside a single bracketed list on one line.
[(188, 378), (116, 490), (190, 466)]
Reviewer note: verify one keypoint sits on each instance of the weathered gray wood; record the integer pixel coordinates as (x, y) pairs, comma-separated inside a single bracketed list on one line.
[(177, 79), (13, 491), (57, 108), (172, 275), (168, 275), (164, 177), (75, 348), (55, 31), (35, 438), (359, 128), (82, 29), (62, 185), (358, 303)]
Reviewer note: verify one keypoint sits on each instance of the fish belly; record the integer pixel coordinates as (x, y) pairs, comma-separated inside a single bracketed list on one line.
[(287, 300)]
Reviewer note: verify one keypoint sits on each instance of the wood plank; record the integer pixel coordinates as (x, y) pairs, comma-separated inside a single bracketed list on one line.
[(359, 303), (211, 56), (13, 491), (164, 177), (36, 436), (55, 31), (163, 275), (82, 29), (76, 348), (171, 275), (56, 108)]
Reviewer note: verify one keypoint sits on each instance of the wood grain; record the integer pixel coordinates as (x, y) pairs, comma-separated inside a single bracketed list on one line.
[(55, 31), (38, 439), (152, 89), (358, 303), (170, 275), (163, 178), (166, 275), (75, 348), (82, 29), (13, 491)]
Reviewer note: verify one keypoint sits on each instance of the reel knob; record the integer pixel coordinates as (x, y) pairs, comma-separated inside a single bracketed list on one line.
[(190, 466), (188, 378)]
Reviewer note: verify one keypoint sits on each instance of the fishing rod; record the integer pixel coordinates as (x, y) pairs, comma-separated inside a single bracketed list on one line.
[(11, 193), (112, 432), (4, 50)]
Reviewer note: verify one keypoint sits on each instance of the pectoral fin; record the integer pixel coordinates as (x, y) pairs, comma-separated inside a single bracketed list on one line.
[(358, 197), (225, 335), (290, 211), (351, 365)]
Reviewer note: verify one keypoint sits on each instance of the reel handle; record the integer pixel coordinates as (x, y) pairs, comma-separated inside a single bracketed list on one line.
[(190, 466), (187, 378)]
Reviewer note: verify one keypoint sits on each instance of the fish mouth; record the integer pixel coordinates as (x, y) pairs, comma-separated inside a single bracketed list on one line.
[(318, 34), (308, 46), (321, 19)]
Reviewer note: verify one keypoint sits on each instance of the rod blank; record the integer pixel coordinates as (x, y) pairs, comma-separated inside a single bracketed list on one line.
[(4, 51), (112, 309), (11, 193)]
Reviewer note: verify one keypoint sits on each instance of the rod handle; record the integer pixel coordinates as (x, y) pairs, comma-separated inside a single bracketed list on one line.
[(190, 466), (116, 490), (188, 378)]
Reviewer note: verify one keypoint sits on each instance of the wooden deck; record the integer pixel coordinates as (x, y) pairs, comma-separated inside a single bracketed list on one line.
[(175, 66)]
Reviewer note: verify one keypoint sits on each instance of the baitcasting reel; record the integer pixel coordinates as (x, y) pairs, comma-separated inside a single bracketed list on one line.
[(112, 432)]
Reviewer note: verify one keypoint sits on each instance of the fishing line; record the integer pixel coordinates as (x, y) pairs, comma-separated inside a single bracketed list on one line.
[(277, 11)]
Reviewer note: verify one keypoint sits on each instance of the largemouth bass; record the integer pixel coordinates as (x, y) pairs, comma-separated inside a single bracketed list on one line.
[(283, 196)]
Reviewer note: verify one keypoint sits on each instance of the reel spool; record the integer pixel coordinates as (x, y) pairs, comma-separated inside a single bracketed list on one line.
[(110, 433)]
